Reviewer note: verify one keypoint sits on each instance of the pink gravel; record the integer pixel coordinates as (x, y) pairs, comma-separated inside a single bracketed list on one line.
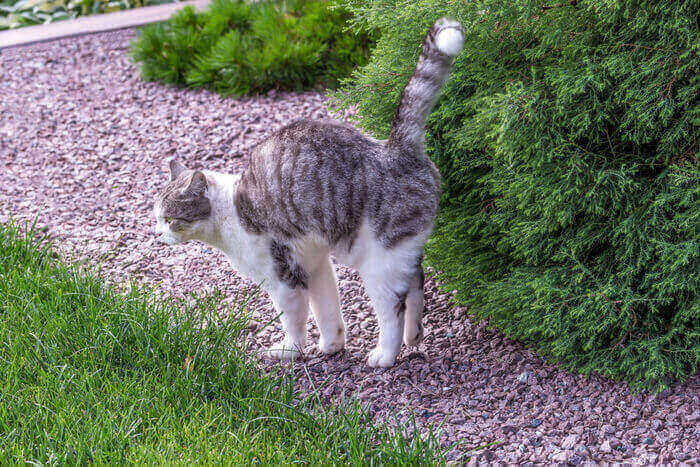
[(82, 146)]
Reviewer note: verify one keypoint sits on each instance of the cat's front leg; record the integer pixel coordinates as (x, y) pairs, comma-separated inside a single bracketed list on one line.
[(293, 306), (325, 304)]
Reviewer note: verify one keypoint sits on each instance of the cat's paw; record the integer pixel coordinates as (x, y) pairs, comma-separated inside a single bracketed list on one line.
[(380, 358), (329, 347), (283, 351), (415, 337)]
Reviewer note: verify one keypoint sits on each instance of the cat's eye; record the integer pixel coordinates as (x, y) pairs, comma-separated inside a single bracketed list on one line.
[(168, 220)]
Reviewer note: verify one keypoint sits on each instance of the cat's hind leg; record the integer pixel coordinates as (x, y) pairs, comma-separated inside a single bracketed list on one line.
[(325, 304), (293, 306), (413, 326), (389, 302), (391, 280)]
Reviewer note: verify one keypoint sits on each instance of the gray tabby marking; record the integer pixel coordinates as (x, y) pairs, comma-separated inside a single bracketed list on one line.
[(286, 268), (324, 177), (184, 198), (420, 273), (420, 94), (401, 303)]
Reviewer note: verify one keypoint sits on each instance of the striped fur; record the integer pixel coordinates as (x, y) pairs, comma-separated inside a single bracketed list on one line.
[(441, 44)]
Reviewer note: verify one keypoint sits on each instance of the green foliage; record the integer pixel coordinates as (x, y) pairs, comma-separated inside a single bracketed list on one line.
[(566, 138), (95, 375), (18, 13), (238, 47)]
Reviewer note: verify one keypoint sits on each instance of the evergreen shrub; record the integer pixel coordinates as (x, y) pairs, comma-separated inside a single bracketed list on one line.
[(238, 47), (567, 141)]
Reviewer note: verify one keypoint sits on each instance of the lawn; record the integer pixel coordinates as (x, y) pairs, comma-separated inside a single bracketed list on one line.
[(93, 373)]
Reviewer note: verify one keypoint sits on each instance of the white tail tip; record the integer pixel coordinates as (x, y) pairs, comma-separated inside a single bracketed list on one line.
[(449, 39)]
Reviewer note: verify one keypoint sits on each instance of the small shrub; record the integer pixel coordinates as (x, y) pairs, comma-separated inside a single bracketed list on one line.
[(238, 47), (567, 140)]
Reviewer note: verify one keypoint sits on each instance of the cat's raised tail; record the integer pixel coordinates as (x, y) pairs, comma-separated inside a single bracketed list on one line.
[(440, 46)]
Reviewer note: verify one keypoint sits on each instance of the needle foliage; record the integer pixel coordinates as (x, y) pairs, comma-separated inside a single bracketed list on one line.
[(238, 47), (567, 141)]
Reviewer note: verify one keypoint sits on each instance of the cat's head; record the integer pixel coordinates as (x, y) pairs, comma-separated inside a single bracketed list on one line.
[(182, 209)]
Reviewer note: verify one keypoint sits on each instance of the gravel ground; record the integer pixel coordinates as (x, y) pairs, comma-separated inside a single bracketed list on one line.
[(82, 146)]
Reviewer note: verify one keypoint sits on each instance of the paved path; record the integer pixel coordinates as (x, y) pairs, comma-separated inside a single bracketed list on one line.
[(94, 23)]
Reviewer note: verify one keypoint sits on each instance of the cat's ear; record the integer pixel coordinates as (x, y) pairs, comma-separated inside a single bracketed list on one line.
[(198, 184), (176, 168)]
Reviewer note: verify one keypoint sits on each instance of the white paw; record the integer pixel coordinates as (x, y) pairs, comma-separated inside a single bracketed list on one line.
[(283, 351), (413, 338), (379, 358), (331, 347)]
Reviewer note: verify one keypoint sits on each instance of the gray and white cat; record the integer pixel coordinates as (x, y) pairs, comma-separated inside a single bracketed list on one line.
[(313, 189)]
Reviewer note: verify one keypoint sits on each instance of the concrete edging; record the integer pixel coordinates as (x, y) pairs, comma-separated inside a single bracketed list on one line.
[(94, 24)]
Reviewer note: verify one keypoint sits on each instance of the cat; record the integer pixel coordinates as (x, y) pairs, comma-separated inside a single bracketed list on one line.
[(316, 188)]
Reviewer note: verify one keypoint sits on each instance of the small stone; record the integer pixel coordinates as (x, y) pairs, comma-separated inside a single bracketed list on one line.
[(605, 447), (523, 377), (569, 442), (681, 456), (507, 429), (608, 429), (562, 456), (535, 422), (582, 451), (648, 441)]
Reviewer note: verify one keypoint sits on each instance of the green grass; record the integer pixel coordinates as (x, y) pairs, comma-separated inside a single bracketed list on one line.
[(93, 374)]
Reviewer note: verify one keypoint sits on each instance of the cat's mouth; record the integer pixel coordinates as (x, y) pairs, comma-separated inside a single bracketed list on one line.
[(168, 239), (164, 236)]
